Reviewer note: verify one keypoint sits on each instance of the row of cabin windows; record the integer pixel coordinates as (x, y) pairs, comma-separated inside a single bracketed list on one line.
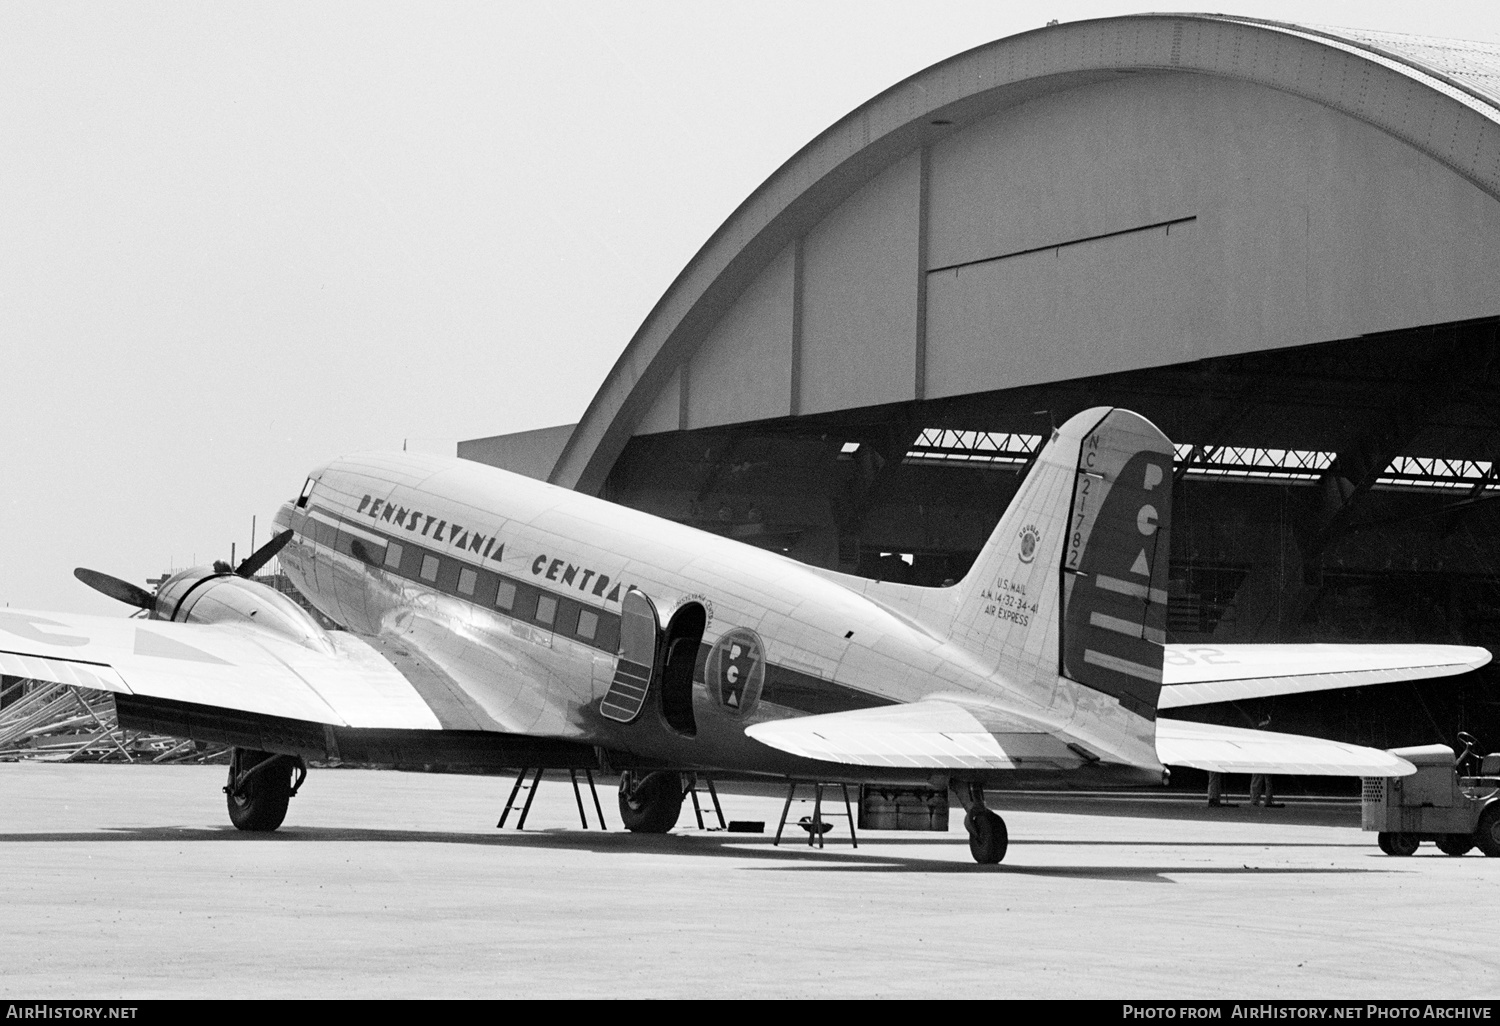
[(587, 627), (546, 612)]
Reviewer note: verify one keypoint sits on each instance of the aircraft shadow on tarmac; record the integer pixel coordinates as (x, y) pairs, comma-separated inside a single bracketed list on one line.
[(874, 856)]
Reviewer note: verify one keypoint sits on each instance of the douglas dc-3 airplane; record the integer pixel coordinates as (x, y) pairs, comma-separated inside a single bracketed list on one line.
[(497, 621)]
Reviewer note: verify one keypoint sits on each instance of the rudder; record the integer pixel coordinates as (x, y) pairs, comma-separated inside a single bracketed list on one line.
[(1114, 565)]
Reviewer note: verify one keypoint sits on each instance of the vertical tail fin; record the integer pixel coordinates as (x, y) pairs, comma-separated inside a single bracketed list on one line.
[(1074, 577)]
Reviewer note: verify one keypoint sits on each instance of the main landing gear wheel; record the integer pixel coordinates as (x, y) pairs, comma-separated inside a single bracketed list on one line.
[(988, 838), (1398, 844), (259, 789), (1487, 834), (650, 804)]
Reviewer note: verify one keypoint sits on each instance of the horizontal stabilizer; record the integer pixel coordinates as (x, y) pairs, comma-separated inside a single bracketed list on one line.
[(219, 665), (1200, 674), (922, 735), (1207, 746)]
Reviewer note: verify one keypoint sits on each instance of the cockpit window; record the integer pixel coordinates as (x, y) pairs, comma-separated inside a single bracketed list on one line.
[(306, 493)]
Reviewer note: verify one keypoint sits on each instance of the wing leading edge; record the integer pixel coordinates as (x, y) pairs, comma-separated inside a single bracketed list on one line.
[(237, 668)]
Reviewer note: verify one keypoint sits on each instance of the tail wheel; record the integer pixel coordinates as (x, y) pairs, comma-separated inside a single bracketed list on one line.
[(988, 838), (1398, 844), (1455, 844), (650, 804), (259, 789), (1487, 834)]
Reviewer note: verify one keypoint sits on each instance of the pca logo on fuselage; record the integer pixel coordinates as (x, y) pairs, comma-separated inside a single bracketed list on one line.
[(736, 670), (1030, 537)]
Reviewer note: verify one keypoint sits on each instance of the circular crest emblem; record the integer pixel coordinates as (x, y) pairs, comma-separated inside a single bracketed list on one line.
[(1029, 538), (735, 671)]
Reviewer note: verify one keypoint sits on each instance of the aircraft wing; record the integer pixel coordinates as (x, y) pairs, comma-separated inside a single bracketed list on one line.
[(1207, 746), (1200, 674), (208, 664), (930, 734)]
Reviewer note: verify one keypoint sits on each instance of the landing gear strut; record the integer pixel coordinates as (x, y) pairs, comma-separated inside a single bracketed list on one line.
[(988, 838), (650, 804), (260, 786)]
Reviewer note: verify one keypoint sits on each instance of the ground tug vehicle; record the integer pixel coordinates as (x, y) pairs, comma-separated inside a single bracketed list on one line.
[(1450, 801)]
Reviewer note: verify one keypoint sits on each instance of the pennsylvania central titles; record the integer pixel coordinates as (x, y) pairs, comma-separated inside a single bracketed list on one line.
[(490, 547)]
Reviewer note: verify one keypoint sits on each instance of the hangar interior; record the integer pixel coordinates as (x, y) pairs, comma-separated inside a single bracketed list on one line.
[(1277, 242)]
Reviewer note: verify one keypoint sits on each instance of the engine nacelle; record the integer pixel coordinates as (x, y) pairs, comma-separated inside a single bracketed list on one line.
[(206, 595)]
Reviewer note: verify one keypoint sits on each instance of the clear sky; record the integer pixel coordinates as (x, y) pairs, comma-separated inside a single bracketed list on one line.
[(239, 239)]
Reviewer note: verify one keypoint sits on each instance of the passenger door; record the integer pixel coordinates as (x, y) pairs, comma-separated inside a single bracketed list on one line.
[(640, 629)]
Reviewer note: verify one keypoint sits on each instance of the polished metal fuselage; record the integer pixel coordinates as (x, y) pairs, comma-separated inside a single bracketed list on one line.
[(420, 554)]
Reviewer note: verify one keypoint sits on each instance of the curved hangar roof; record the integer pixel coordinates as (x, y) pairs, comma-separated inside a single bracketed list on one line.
[(1085, 198)]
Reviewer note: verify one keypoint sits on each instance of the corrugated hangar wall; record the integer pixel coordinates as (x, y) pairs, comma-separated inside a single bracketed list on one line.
[(1279, 245), (1150, 220)]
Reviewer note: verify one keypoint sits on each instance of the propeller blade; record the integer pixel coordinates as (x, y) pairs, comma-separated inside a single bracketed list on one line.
[(115, 588), (263, 555)]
